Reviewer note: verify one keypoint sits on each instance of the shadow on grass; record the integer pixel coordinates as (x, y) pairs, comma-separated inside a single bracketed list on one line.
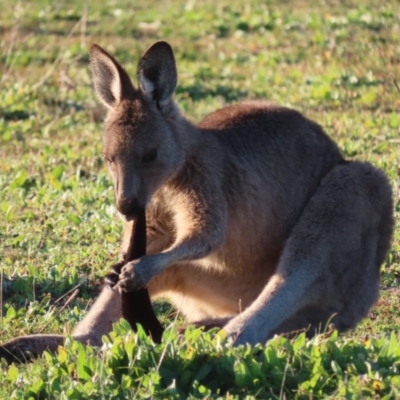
[(14, 115), (21, 290)]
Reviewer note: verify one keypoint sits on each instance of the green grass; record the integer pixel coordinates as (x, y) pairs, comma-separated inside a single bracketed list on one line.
[(334, 61)]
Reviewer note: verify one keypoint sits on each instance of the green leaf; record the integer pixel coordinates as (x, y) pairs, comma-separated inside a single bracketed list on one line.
[(19, 180), (57, 172), (126, 382), (13, 374), (394, 346), (37, 386), (300, 341), (242, 374), (203, 372), (394, 120), (83, 370), (130, 347), (62, 354), (74, 219), (11, 313)]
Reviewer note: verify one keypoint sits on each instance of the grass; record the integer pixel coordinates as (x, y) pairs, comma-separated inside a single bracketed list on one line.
[(334, 61)]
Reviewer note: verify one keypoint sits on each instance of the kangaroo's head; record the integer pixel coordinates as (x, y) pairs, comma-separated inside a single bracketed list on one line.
[(141, 144)]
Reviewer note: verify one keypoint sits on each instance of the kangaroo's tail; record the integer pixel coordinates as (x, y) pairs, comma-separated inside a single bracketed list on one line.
[(23, 348)]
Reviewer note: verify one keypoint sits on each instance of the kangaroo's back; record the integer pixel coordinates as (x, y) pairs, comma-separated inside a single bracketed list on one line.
[(256, 132), (273, 159)]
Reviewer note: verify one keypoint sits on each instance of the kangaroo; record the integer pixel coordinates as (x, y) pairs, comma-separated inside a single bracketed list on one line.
[(255, 221)]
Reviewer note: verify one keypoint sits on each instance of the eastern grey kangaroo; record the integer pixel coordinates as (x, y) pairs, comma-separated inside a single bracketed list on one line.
[(256, 223), (255, 220)]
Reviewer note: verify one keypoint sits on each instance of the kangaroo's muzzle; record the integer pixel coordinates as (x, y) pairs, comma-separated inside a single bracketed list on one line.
[(128, 208)]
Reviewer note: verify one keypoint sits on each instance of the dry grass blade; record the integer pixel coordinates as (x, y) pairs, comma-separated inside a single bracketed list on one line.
[(13, 39), (69, 301), (397, 86)]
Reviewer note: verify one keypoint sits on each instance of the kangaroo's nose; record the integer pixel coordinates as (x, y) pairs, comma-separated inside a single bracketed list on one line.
[(127, 207)]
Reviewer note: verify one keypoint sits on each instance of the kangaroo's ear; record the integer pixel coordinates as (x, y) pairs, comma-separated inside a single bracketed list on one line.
[(111, 81), (157, 74)]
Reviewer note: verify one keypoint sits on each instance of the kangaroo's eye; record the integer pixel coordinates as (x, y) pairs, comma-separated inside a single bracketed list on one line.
[(149, 157)]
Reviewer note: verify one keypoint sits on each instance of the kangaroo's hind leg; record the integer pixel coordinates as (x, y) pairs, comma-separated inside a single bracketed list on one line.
[(331, 261)]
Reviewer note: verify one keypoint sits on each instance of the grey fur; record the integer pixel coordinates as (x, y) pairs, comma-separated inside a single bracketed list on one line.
[(254, 216)]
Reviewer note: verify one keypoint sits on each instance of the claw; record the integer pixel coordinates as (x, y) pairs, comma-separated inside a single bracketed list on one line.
[(116, 268), (111, 280)]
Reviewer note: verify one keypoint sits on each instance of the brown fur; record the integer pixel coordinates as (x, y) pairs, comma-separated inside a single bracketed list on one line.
[(254, 217), (255, 221)]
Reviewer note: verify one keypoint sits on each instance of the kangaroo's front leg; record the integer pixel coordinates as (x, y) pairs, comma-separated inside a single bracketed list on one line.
[(199, 232)]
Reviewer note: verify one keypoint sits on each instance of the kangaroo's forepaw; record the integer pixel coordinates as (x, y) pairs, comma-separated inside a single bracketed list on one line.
[(129, 279)]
